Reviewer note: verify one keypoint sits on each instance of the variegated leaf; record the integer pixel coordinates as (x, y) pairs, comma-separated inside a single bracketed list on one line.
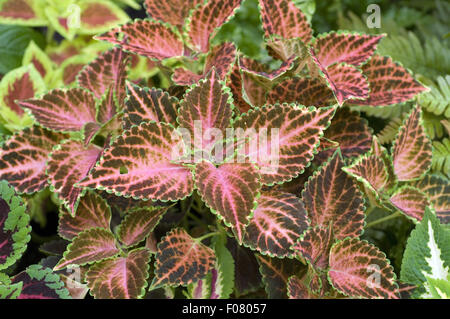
[(389, 83), (23, 12), (230, 190), (23, 158), (138, 224), (173, 11), (304, 91), (69, 163), (14, 226), (412, 150), (315, 246), (139, 164), (108, 70), (147, 38), (120, 277), (276, 273), (206, 19), (297, 289), (206, 110), (63, 110), (89, 246), (279, 220), (331, 196), (98, 16), (181, 260), (282, 138), (93, 211), (410, 201), (40, 283), (351, 48), (149, 105), (359, 269), (437, 189), (283, 18)]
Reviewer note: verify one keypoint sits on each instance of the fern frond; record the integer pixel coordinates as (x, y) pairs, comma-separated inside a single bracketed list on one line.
[(389, 132), (437, 100), (441, 157)]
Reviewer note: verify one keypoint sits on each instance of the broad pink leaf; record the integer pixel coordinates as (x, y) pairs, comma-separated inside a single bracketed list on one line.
[(351, 48), (412, 150), (23, 11), (63, 110), (437, 189), (354, 265), (70, 72), (292, 135), (206, 19), (284, 19), (221, 57), (108, 70), (23, 158), (410, 201), (389, 83), (90, 130), (345, 80), (181, 260), (98, 16), (145, 104), (138, 224), (69, 163), (276, 273), (230, 190), (268, 78), (206, 107), (331, 196), (351, 131), (148, 38), (93, 211), (91, 245), (173, 11), (120, 277), (304, 91), (315, 246), (145, 152), (279, 220), (40, 283)]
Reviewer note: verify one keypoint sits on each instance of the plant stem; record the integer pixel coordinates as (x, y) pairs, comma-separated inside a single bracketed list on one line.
[(199, 239), (378, 221)]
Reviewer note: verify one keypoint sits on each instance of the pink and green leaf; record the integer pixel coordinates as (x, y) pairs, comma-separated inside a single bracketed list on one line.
[(23, 12), (40, 283), (91, 245), (98, 16), (148, 38), (412, 150), (138, 224), (268, 78), (14, 226), (389, 83), (93, 212), (205, 19), (410, 201), (437, 189), (108, 70), (181, 260), (351, 48), (315, 246), (278, 221), (299, 130), (139, 163), (297, 289), (120, 277), (359, 269), (23, 158), (331, 196), (40, 60), (283, 18), (68, 164), (174, 12), (230, 190), (63, 110), (145, 104), (304, 91), (207, 106), (276, 273)]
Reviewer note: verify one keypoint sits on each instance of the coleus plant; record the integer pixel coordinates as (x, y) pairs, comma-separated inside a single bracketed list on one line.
[(278, 157)]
